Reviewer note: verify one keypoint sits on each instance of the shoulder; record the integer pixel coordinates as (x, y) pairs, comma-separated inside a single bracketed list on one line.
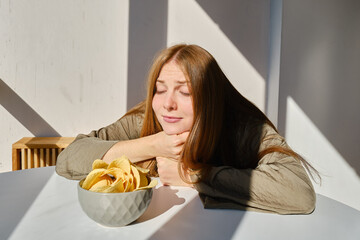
[(271, 137), (267, 130), (136, 114), (273, 147), (127, 127), (134, 118), (133, 122)]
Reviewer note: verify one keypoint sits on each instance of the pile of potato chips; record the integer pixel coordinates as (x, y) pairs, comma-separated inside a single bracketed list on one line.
[(118, 176)]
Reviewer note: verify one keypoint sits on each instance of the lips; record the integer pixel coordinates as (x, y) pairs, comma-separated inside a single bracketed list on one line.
[(170, 119)]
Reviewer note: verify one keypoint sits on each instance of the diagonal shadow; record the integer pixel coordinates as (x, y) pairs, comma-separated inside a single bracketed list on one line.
[(246, 24), (24, 113), (25, 192), (321, 72), (195, 222), (157, 206), (147, 35)]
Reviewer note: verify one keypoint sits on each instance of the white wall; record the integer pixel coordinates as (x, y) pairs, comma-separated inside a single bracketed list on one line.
[(227, 30), (319, 91), (64, 68), (339, 179), (147, 35), (64, 64)]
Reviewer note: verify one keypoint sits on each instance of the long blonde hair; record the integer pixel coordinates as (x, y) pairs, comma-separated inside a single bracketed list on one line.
[(218, 107)]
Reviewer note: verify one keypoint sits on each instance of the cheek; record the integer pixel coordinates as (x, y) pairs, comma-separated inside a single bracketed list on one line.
[(189, 109), (155, 104)]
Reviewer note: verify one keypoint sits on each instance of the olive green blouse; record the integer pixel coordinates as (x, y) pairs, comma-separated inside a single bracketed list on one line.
[(279, 184)]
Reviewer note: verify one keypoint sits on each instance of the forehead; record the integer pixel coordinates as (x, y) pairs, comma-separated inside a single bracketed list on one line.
[(171, 71)]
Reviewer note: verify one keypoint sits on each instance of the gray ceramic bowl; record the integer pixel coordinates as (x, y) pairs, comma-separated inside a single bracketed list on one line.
[(114, 209)]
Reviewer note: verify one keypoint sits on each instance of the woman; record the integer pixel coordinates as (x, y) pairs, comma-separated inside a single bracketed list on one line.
[(195, 128)]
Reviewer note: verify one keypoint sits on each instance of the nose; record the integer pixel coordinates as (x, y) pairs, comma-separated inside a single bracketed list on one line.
[(170, 102)]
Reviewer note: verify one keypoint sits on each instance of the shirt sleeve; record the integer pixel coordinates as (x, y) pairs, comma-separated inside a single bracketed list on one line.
[(75, 161), (279, 184)]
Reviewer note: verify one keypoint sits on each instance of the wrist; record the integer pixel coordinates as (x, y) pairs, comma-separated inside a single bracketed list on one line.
[(151, 143)]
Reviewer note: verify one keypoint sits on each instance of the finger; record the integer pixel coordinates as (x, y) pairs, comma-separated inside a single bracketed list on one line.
[(180, 139), (183, 136), (159, 160), (175, 152), (163, 160), (173, 159)]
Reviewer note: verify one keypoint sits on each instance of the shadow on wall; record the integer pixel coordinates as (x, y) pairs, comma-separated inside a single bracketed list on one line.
[(321, 71), (242, 21), (335, 171), (147, 36), (24, 113)]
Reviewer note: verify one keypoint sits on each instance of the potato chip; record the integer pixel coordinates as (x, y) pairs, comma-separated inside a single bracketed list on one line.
[(129, 183), (101, 189), (106, 180), (117, 186), (136, 175), (117, 173), (142, 170), (118, 176), (143, 180), (98, 163), (122, 163), (92, 178), (152, 184)]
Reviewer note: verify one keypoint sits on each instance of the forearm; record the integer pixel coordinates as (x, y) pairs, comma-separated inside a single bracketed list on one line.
[(136, 149), (273, 188), (76, 160), (157, 145)]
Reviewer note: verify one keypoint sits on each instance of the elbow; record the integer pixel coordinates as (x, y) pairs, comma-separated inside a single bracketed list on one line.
[(298, 200), (305, 201), (308, 202), (66, 168), (61, 166)]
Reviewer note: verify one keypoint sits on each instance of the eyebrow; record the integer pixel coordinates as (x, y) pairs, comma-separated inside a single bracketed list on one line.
[(179, 82)]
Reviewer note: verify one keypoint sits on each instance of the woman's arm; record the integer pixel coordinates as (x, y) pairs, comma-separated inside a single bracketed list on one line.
[(156, 145), (279, 188), (279, 184), (113, 141), (168, 170), (76, 160)]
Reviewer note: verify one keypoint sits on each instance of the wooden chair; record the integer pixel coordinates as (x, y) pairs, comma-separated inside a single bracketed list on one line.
[(34, 152)]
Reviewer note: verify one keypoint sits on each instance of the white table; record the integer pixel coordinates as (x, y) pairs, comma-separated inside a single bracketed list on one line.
[(39, 204)]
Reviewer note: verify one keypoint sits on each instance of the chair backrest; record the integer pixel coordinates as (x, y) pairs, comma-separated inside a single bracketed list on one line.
[(34, 152)]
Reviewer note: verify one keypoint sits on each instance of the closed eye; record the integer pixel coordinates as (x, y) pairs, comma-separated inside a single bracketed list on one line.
[(160, 88), (185, 94), (160, 91)]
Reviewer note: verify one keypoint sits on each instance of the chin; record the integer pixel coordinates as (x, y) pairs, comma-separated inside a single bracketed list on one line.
[(173, 130)]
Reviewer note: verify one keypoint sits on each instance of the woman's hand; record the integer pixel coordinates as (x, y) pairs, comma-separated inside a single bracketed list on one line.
[(169, 146), (168, 172)]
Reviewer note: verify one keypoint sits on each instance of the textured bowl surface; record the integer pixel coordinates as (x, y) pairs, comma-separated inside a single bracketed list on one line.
[(114, 209)]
